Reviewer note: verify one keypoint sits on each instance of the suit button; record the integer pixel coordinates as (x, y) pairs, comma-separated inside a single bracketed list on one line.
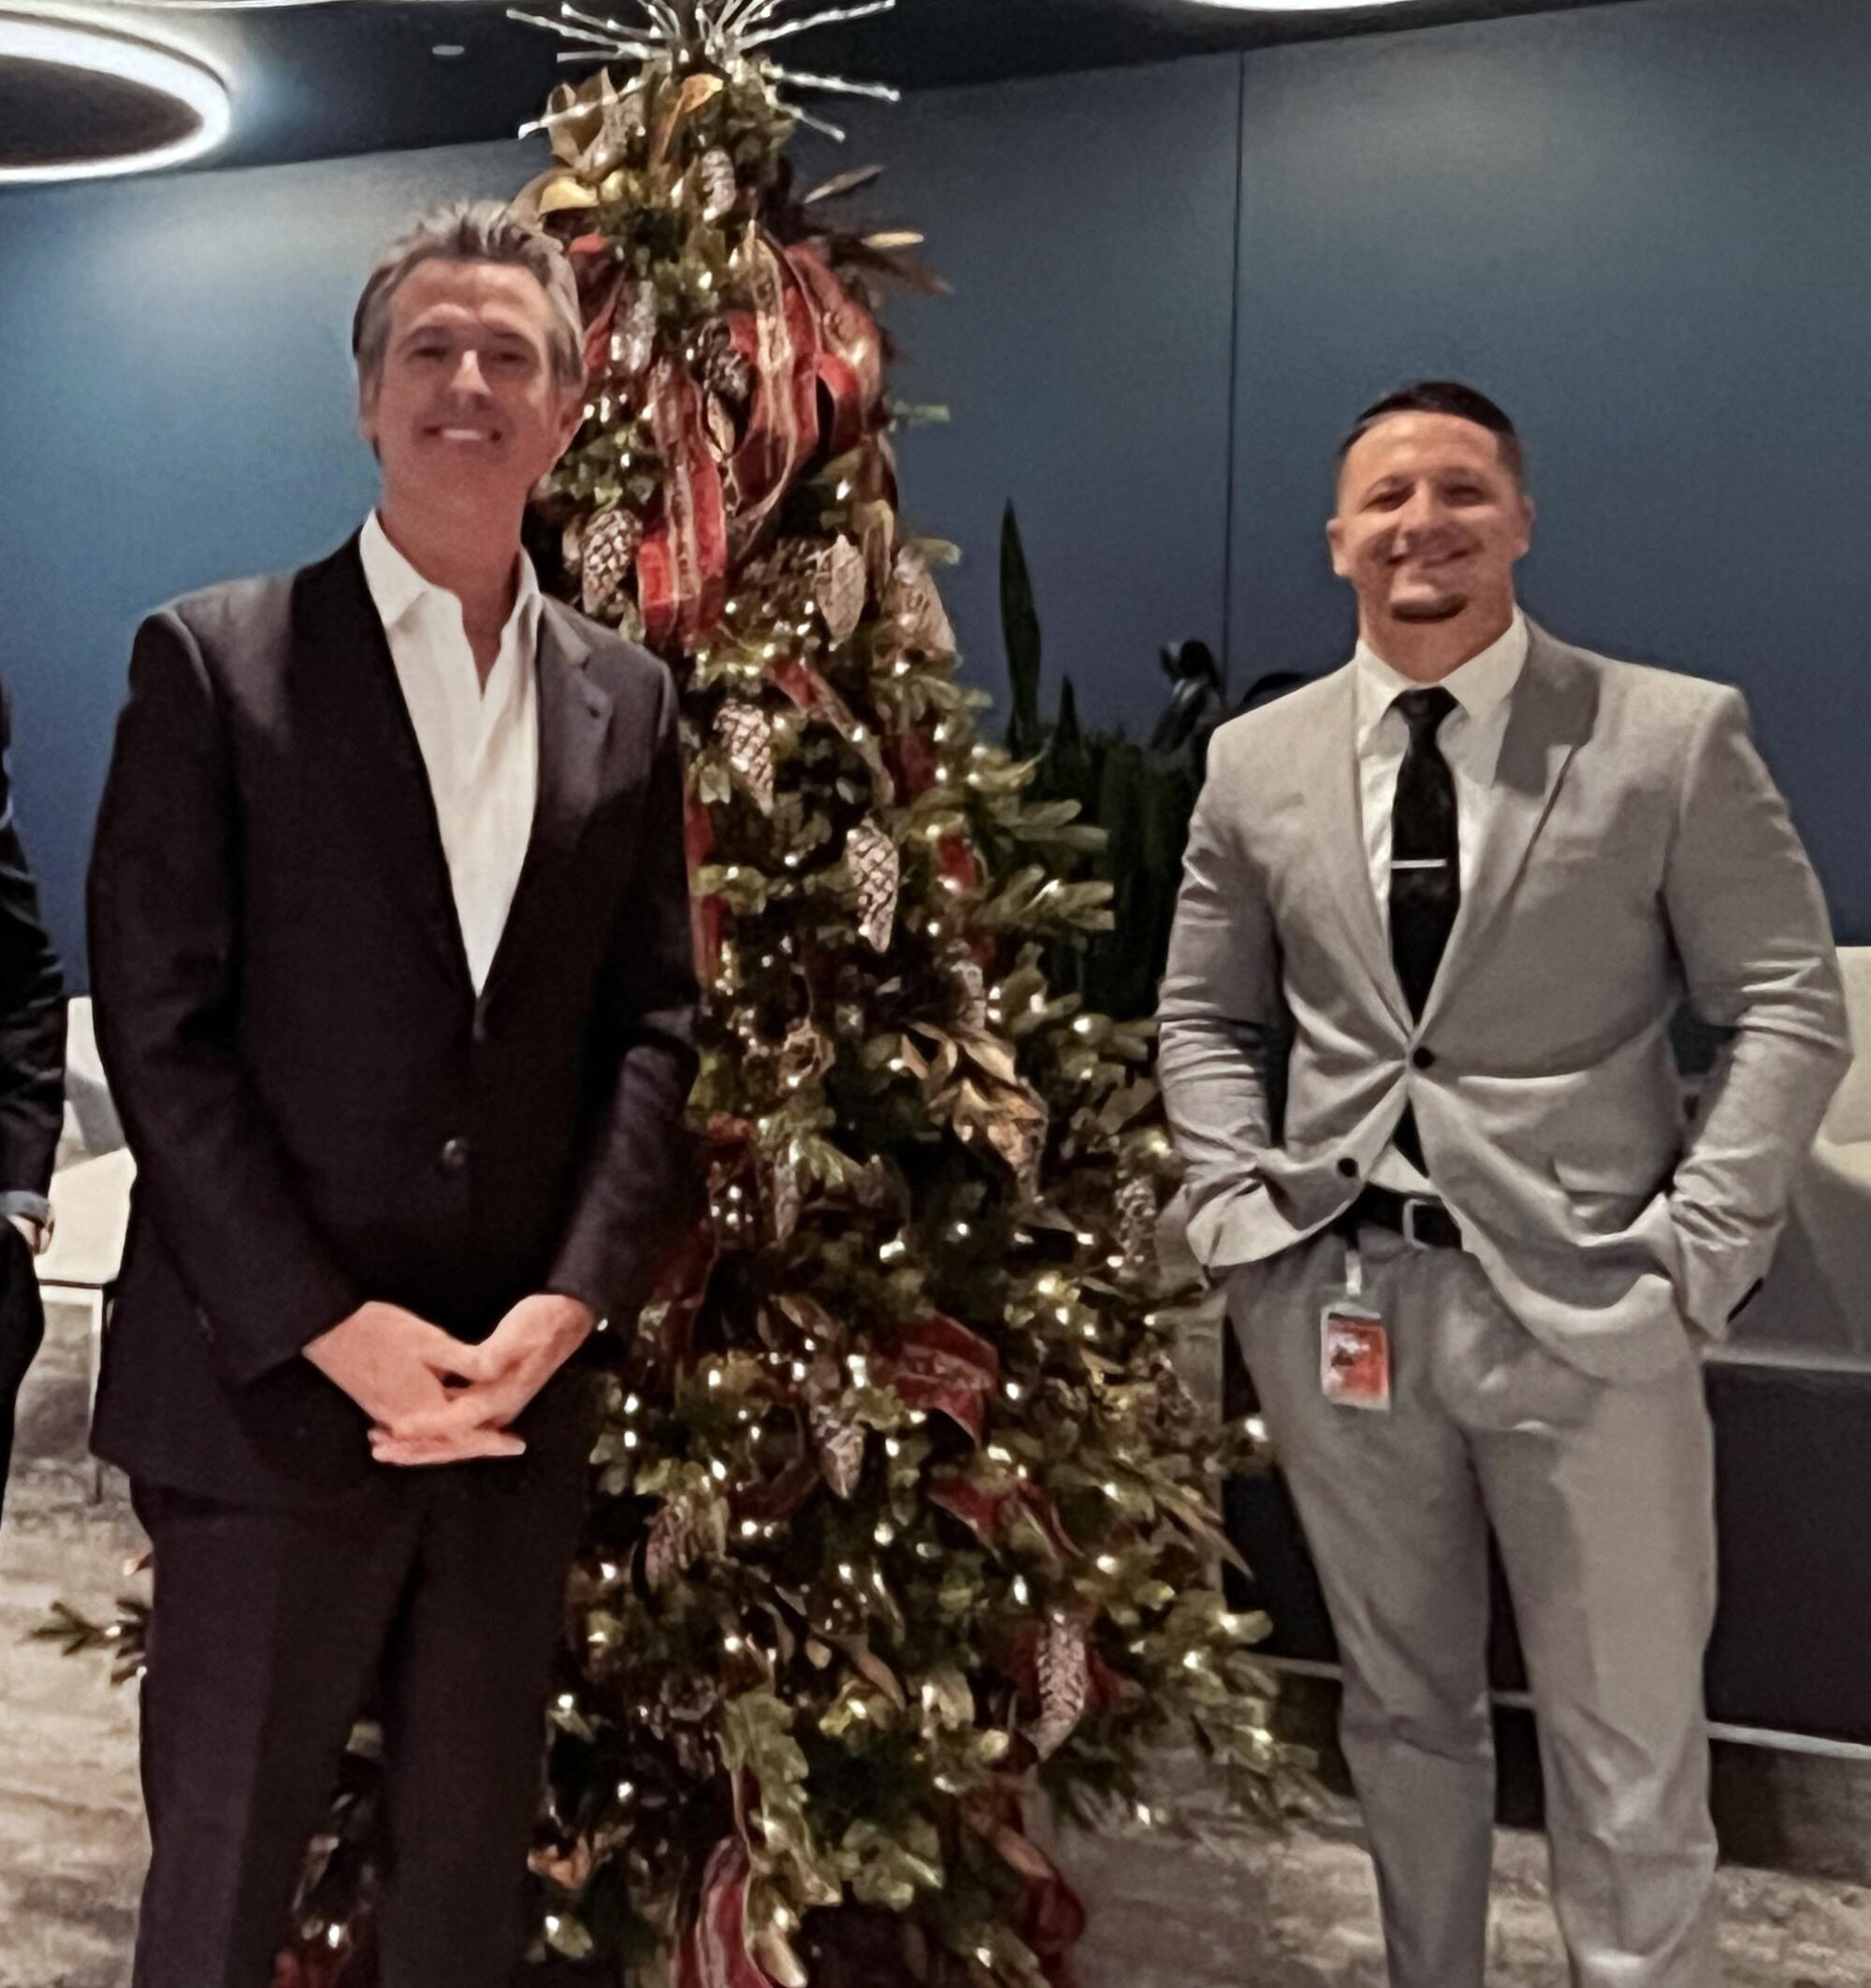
[(455, 1156), (478, 1031), (1349, 1168), (1425, 1059)]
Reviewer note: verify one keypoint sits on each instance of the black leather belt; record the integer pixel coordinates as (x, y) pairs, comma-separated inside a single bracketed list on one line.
[(1424, 1223)]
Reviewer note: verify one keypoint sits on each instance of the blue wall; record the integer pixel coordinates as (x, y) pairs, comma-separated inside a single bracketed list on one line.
[(175, 407), (1085, 226), (1646, 228)]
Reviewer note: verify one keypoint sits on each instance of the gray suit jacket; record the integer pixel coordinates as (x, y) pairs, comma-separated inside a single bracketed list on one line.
[(1639, 851)]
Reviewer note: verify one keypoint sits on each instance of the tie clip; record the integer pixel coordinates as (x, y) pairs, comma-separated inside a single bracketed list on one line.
[(1420, 862)]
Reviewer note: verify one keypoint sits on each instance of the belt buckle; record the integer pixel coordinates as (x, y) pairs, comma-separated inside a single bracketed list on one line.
[(1414, 1206)]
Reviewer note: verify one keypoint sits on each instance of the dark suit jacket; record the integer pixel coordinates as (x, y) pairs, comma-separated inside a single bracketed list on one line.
[(32, 1017), (321, 1109)]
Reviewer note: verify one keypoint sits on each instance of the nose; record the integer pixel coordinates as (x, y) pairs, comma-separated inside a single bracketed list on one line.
[(469, 378), (1421, 515)]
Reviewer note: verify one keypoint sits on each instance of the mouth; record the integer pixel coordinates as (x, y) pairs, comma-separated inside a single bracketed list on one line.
[(461, 434), (1431, 562)]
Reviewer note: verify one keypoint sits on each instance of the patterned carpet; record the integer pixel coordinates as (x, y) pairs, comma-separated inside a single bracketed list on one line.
[(1244, 1910)]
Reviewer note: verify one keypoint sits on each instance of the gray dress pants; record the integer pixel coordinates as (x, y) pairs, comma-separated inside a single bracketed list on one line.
[(1601, 1496)]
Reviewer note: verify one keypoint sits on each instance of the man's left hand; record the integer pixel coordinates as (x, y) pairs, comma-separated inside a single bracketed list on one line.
[(504, 1373)]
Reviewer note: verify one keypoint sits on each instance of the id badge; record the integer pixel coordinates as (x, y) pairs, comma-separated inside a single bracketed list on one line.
[(1354, 1346)]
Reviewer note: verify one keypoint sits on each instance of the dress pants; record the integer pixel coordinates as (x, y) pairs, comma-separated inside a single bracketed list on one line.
[(437, 1594), (1601, 1496), (22, 1328)]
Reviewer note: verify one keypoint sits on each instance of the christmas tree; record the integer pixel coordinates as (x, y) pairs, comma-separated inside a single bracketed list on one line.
[(900, 1509)]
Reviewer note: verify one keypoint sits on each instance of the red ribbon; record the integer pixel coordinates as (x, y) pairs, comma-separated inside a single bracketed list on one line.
[(851, 349), (941, 1368), (682, 565)]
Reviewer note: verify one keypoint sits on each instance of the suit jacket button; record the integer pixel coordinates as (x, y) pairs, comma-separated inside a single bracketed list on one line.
[(1425, 1059), (455, 1156), (478, 1029), (1349, 1168)]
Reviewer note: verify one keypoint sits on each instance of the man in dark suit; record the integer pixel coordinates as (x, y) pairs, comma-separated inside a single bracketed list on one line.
[(389, 937), (32, 1101)]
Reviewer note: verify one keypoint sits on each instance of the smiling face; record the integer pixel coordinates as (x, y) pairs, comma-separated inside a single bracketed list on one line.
[(1430, 523), (465, 412)]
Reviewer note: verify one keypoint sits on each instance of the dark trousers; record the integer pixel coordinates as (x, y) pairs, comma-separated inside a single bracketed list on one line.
[(437, 1594), (22, 1327)]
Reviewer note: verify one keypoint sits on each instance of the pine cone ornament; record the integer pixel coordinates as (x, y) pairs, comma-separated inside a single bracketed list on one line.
[(877, 870), (1136, 1217), (672, 1543), (716, 182), (840, 587), (609, 549), (745, 734), (633, 333), (916, 607), (722, 366), (1065, 1684), (840, 1446)]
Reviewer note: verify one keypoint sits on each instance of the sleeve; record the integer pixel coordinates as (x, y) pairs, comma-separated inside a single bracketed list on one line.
[(32, 1020), (1750, 926), (1222, 1023), (639, 1177), (164, 930)]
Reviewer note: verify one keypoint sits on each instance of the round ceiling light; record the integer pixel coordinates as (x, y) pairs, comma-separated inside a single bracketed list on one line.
[(82, 98), (1298, 7)]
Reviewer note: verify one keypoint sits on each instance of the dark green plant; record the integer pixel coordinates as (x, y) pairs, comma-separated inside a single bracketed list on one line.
[(1138, 808)]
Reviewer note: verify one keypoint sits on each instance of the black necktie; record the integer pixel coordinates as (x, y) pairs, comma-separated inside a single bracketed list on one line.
[(1425, 866)]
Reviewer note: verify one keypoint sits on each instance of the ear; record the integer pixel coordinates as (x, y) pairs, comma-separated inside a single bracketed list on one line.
[(571, 417), (1335, 540), (366, 410), (1528, 514)]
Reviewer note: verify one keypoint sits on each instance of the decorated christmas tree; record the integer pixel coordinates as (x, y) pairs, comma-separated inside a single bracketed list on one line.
[(901, 1511)]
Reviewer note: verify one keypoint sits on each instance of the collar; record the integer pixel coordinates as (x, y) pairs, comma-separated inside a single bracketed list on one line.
[(395, 587), (1481, 686)]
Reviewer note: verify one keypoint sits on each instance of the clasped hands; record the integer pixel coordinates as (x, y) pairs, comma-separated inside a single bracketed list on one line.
[(434, 1398)]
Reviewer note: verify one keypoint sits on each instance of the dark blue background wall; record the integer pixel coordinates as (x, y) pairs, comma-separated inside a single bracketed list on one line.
[(1646, 228), (175, 407), (1648, 231)]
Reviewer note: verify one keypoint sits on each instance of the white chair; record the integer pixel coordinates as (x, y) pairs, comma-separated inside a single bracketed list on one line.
[(89, 1195)]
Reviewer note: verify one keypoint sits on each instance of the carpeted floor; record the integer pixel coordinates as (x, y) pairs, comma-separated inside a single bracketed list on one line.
[(1246, 1911)]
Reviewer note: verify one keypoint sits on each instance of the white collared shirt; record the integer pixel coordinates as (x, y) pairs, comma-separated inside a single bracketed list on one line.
[(1470, 737), (479, 747)]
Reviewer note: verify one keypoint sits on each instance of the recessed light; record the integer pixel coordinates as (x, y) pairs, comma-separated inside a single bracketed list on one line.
[(1298, 7), (448, 51), (57, 38)]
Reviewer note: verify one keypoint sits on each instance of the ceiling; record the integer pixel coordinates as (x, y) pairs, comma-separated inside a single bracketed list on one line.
[(355, 76)]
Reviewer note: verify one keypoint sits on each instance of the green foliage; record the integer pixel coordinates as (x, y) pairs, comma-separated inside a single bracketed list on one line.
[(1135, 809)]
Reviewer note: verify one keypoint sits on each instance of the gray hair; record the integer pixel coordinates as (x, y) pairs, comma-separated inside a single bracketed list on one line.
[(472, 231)]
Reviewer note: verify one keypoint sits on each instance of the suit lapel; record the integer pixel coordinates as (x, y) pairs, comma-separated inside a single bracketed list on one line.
[(574, 720), (1551, 714), (350, 675), (1329, 782)]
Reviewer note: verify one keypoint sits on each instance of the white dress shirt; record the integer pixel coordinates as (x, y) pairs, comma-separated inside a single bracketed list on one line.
[(1470, 736), (480, 746)]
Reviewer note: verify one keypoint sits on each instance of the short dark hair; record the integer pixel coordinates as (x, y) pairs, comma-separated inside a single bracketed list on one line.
[(1444, 397)]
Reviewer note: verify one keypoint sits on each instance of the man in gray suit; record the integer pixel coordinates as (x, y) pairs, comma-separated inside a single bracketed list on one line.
[(1437, 911)]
